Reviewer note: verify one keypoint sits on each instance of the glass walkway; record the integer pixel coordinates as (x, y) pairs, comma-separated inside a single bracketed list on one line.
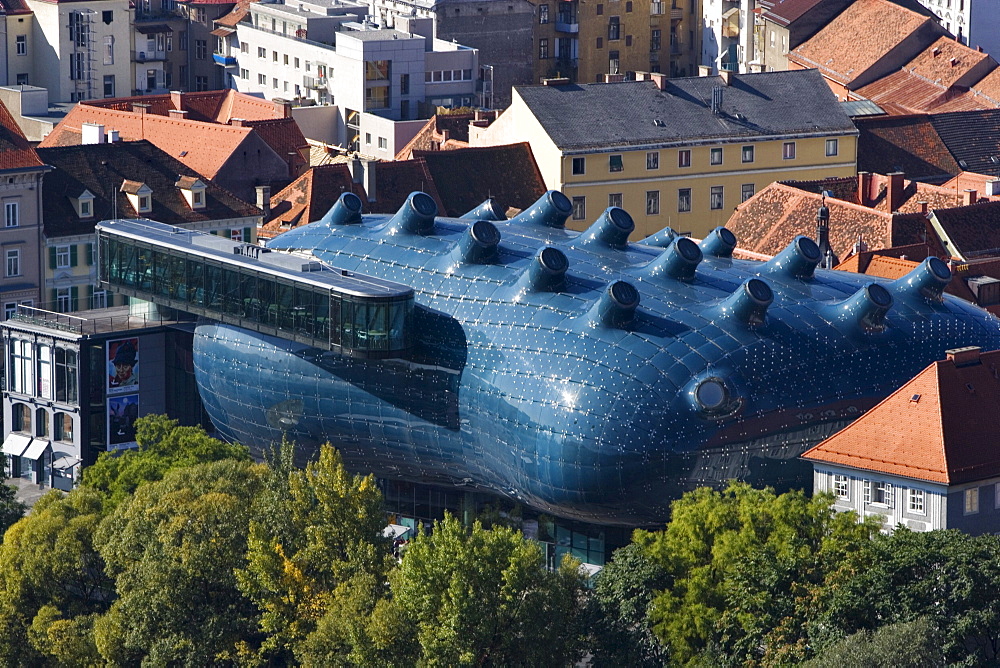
[(280, 294)]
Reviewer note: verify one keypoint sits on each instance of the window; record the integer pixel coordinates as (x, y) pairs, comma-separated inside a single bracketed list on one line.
[(972, 501), (64, 427), (63, 300), (22, 376), (684, 158), (615, 199), (614, 62), (614, 28), (22, 79), (109, 50), (654, 40), (378, 70), (653, 160), (13, 262), (182, 42), (285, 57), (42, 423), (144, 204), (716, 156), (107, 16), (600, 9), (274, 56), (881, 494), (236, 234), (368, 139), (579, 208), (11, 214), (261, 52), (22, 45), (383, 143), (76, 66), (62, 257), (832, 147), (404, 84), (543, 14), (201, 83), (66, 375), (99, 299), (543, 48), (579, 165), (45, 372), (716, 197), (262, 79), (841, 487), (683, 200), (747, 154), (652, 202), (295, 63), (915, 501), (615, 163), (746, 191), (628, 6), (600, 41), (109, 85), (244, 47), (9, 309), (274, 82), (788, 150), (199, 15), (244, 73)]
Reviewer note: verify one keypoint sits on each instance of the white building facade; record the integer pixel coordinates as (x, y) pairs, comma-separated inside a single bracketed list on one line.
[(727, 39)]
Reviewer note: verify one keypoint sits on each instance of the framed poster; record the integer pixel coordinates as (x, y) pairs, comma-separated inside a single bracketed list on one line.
[(123, 366), (123, 410)]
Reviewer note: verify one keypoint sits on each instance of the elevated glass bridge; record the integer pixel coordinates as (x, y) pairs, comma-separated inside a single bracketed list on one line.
[(282, 294)]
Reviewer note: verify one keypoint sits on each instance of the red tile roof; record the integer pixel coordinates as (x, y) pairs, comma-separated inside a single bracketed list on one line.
[(907, 144), (905, 92), (938, 427), (309, 197), (15, 151), (971, 231), (431, 137), (969, 181), (241, 9), (784, 12), (946, 62), (14, 7), (858, 38), (988, 86)]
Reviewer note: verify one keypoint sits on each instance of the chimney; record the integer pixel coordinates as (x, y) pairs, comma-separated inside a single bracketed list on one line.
[(935, 51), (282, 108), (993, 188), (357, 170), (140, 108), (112, 136), (642, 76), (177, 100), (923, 207), (704, 71), (614, 78), (445, 135), (969, 196), (91, 133), (237, 122), (659, 79), (953, 61), (864, 188), (370, 180), (177, 113), (264, 200), (963, 356), (894, 190), (555, 81), (726, 76)]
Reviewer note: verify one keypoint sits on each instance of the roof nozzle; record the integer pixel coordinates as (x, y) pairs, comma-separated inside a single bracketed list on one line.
[(928, 279), (719, 243), (488, 210), (479, 242), (749, 303), (616, 307), (611, 230), (866, 308), (416, 216), (550, 210), (661, 239), (678, 261), (345, 211), (798, 260), (547, 271)]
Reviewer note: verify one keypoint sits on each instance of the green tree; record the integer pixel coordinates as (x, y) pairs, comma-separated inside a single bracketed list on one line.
[(480, 597), (49, 570), (315, 530), (744, 566), (901, 645), (174, 549), (11, 510), (621, 631), (948, 577), (163, 446)]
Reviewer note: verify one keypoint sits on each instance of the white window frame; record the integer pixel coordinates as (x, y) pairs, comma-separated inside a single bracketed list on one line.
[(9, 309), (99, 299), (652, 202), (615, 199), (579, 208), (788, 150), (832, 148), (22, 45), (747, 154), (652, 160), (883, 494), (11, 214), (716, 198), (971, 497), (841, 486), (715, 155), (62, 257), (64, 300), (13, 262), (684, 158), (915, 501)]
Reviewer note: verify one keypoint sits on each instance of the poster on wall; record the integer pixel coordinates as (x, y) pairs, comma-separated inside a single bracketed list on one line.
[(123, 366), (123, 410)]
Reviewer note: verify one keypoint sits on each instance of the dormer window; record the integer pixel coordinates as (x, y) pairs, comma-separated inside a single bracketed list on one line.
[(84, 204), (140, 196), (193, 190)]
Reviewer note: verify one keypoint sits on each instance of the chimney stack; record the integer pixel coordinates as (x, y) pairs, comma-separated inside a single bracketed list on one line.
[(923, 207), (91, 133), (963, 356), (894, 191), (264, 200), (282, 108), (140, 108), (969, 196), (614, 78), (726, 76), (659, 79), (177, 113), (864, 188), (177, 100)]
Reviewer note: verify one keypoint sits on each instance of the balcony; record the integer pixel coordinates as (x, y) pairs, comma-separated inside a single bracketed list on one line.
[(314, 82), (676, 14), (148, 56), (224, 61), (563, 26)]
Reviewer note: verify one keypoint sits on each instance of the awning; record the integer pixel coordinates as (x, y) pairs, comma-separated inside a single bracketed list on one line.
[(64, 460), (37, 448), (15, 444), (152, 29), (223, 32), (395, 531), (728, 13)]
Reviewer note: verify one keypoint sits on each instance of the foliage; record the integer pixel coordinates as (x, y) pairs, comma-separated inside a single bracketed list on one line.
[(473, 597), (11, 510), (620, 625), (163, 446), (329, 535), (173, 549), (743, 567), (900, 645), (947, 576), (49, 570)]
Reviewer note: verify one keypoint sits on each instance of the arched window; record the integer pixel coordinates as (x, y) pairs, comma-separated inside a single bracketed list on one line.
[(64, 427), (21, 418), (42, 423)]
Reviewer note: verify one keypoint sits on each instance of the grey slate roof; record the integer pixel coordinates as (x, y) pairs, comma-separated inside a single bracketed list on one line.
[(624, 114)]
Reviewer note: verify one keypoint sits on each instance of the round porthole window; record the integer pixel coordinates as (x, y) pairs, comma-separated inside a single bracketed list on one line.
[(711, 394)]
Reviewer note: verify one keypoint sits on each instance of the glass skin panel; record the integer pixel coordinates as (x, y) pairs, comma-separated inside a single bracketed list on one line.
[(285, 315), (248, 291), (213, 286), (268, 310), (161, 277), (232, 300), (524, 393), (196, 283)]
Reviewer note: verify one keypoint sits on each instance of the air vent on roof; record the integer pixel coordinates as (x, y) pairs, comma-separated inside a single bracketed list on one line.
[(658, 123), (963, 164), (915, 398)]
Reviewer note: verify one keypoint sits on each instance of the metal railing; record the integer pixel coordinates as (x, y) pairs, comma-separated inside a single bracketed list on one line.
[(66, 322)]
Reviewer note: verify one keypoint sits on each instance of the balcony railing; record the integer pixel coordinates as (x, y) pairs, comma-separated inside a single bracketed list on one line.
[(225, 61), (148, 56), (314, 82), (562, 26)]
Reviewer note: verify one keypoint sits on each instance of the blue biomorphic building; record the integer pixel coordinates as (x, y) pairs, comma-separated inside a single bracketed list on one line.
[(589, 377)]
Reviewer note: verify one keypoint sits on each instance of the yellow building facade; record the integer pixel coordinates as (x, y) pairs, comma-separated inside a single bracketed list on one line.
[(624, 144)]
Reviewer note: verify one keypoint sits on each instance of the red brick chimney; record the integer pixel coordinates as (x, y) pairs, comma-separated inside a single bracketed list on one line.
[(659, 79), (963, 356), (237, 122), (864, 188), (969, 196), (282, 108), (894, 190), (177, 100), (140, 108), (177, 113)]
